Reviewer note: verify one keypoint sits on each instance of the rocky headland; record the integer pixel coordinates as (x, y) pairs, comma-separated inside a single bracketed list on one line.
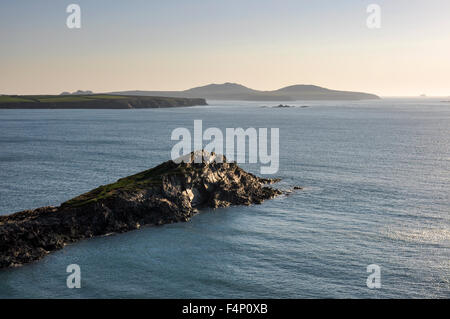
[(94, 101), (167, 193)]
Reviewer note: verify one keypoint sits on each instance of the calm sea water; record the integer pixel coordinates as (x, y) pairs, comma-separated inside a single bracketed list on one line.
[(377, 191)]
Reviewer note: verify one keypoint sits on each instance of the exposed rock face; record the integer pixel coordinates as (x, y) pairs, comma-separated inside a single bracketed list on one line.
[(96, 101), (167, 193)]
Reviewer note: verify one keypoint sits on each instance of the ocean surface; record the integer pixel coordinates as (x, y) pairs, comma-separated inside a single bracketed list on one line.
[(376, 178)]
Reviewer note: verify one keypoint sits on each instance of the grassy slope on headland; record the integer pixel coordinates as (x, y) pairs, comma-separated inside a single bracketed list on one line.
[(92, 101)]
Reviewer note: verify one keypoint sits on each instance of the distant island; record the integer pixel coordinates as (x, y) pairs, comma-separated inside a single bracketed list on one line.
[(93, 101), (233, 91), (167, 193), (78, 92)]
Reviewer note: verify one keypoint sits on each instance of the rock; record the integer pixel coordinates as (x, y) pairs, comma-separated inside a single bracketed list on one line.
[(167, 193), (301, 106), (81, 92)]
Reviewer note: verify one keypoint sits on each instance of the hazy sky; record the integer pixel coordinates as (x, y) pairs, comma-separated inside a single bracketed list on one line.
[(263, 44)]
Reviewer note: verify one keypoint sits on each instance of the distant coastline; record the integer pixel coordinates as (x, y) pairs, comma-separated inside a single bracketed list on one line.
[(94, 101), (234, 91)]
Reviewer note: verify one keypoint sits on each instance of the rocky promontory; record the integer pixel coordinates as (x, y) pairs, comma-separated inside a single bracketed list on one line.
[(168, 193), (94, 101)]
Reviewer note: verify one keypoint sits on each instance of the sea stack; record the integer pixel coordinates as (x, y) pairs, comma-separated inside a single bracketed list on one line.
[(168, 193)]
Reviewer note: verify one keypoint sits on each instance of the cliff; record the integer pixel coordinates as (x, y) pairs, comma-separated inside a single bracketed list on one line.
[(95, 101), (167, 193)]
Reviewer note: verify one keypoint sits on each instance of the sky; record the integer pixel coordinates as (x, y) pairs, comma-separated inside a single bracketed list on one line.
[(262, 44)]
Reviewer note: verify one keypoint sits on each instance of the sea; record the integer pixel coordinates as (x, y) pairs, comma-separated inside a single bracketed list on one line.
[(376, 191)]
